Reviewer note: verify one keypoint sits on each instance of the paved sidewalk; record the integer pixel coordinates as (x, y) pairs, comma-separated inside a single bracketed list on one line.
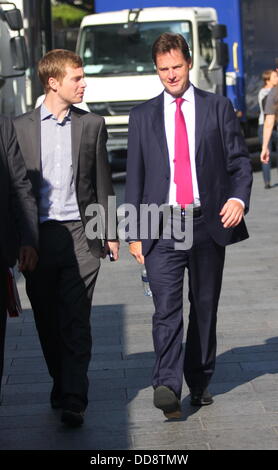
[(120, 413)]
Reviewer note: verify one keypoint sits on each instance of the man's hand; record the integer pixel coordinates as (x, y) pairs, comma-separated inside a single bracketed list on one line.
[(28, 258), (135, 249), (111, 247), (265, 155), (232, 213), (267, 132)]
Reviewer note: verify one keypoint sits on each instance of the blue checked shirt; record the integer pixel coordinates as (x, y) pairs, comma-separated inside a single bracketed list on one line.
[(57, 190)]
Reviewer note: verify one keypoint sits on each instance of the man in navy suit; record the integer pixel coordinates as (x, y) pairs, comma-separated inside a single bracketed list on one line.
[(19, 227), (220, 181)]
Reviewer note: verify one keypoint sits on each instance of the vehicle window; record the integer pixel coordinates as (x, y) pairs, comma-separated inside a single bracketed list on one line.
[(114, 49), (205, 41)]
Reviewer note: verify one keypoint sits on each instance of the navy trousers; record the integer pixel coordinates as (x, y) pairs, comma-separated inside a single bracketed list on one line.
[(3, 313), (166, 267)]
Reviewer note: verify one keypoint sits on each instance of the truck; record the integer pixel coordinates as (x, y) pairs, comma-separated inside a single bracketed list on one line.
[(119, 71), (13, 61), (251, 42)]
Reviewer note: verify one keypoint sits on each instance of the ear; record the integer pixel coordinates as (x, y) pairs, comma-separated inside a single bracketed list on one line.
[(52, 82), (189, 63)]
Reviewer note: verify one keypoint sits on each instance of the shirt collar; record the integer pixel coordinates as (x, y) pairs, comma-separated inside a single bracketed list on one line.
[(46, 114), (188, 96)]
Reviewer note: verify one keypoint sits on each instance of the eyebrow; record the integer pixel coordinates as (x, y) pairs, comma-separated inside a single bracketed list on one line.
[(78, 76), (169, 66)]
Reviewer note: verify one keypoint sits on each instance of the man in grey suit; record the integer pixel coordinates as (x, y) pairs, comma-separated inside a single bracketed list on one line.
[(65, 152), (19, 231)]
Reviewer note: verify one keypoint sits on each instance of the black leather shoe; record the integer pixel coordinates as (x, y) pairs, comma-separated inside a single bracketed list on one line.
[(73, 419), (200, 397), (73, 415), (55, 398), (166, 400)]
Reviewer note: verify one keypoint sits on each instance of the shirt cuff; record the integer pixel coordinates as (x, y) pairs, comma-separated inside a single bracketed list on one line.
[(237, 199)]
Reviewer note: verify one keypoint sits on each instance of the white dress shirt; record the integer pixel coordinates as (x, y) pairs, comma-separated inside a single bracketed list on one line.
[(188, 109)]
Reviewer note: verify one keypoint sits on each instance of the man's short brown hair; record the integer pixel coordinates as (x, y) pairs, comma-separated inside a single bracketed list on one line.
[(53, 64), (168, 41)]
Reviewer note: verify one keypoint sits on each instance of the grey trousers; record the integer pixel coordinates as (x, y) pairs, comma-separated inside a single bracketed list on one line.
[(60, 291)]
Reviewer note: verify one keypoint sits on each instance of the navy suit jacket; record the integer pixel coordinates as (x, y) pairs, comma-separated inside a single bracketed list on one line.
[(17, 204), (223, 164)]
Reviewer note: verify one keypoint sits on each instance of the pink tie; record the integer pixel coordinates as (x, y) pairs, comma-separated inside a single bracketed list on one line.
[(182, 175)]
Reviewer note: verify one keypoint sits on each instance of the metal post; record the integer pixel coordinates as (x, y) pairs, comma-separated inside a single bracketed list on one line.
[(47, 24), (38, 33)]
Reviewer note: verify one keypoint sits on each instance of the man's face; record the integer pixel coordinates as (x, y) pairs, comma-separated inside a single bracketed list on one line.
[(71, 88), (173, 71)]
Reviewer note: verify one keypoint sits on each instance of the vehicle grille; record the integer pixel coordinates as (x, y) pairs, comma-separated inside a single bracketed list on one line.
[(122, 107), (113, 108)]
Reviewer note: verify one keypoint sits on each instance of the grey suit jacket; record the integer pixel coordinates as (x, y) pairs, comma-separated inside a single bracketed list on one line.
[(17, 204), (91, 169)]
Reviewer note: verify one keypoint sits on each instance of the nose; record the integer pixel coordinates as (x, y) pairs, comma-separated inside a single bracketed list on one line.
[(171, 74), (83, 83)]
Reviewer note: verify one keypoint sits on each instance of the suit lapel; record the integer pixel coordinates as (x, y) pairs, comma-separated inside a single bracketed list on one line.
[(201, 110), (157, 118), (31, 147), (34, 139), (76, 133)]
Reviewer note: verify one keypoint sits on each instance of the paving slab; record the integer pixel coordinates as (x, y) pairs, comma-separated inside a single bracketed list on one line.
[(120, 412)]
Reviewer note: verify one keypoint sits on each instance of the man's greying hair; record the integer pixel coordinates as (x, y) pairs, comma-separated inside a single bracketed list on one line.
[(167, 41), (53, 64)]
